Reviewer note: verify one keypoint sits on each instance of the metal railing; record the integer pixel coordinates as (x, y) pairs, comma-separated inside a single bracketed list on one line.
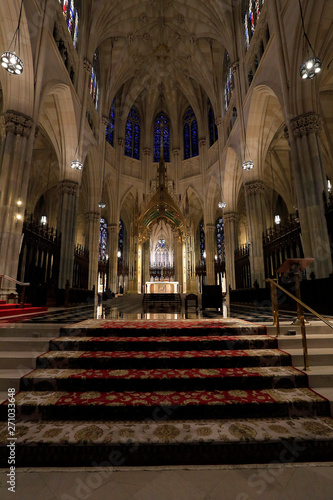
[(300, 315), (23, 285)]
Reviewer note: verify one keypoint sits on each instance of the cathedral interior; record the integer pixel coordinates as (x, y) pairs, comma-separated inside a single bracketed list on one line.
[(165, 145)]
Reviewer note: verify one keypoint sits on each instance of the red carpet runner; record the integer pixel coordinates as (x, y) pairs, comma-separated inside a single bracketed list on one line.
[(166, 392)]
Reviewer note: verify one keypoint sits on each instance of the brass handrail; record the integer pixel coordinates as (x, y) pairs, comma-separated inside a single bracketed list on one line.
[(300, 305), (300, 302), (13, 280), (8, 278)]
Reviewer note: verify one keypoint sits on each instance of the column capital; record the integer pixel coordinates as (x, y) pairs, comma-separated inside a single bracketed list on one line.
[(235, 66), (176, 151), (67, 186), (92, 217), (306, 124), (209, 227), (121, 141), (113, 228), (255, 187), (202, 142), (16, 123), (218, 121), (105, 121), (87, 65), (147, 151), (230, 217)]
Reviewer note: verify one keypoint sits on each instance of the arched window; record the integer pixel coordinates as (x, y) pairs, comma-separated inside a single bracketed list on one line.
[(94, 77), (161, 120), (132, 135), (220, 239), (109, 131), (103, 240), (251, 17), (202, 242), (121, 236), (71, 15), (190, 128), (213, 135), (228, 81), (161, 254)]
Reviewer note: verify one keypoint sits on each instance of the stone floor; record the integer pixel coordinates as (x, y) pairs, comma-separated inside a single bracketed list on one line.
[(276, 481), (286, 481)]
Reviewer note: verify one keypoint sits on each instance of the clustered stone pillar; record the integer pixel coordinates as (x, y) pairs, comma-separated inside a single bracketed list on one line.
[(113, 256), (178, 260), (92, 244), (177, 164), (230, 221), (310, 180), (255, 198), (147, 166), (13, 184), (66, 225), (210, 247)]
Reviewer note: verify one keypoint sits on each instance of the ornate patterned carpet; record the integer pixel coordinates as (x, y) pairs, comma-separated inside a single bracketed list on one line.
[(168, 392)]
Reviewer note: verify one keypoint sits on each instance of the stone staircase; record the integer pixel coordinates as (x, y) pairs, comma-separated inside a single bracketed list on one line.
[(218, 397)]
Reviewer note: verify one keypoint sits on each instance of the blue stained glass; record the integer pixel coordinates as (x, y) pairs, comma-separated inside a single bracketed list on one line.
[(202, 241), (194, 138), (109, 131), (251, 19), (103, 239), (76, 29), (213, 133), (136, 148), (132, 135), (71, 18), (121, 237), (220, 239), (128, 138), (161, 118), (187, 142), (190, 128)]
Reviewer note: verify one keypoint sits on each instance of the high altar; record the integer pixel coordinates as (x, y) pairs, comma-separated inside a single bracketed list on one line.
[(162, 287)]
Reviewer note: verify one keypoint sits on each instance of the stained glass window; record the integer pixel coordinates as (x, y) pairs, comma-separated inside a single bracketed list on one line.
[(251, 18), (109, 131), (220, 239), (71, 15), (103, 240), (132, 135), (94, 84), (162, 254), (121, 236), (213, 135), (229, 81), (162, 120), (190, 130), (202, 242)]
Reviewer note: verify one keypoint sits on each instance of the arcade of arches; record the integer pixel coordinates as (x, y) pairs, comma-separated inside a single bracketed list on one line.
[(162, 101)]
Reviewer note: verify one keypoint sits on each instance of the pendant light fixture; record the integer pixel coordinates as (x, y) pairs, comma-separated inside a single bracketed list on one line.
[(10, 61), (312, 65), (76, 164)]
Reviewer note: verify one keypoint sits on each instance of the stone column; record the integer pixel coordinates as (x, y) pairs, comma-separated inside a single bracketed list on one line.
[(132, 274), (203, 159), (178, 260), (92, 244), (310, 183), (119, 160), (147, 167), (176, 162), (146, 251), (210, 247), (139, 270), (113, 231), (16, 129), (255, 198), (184, 265), (68, 191), (231, 244)]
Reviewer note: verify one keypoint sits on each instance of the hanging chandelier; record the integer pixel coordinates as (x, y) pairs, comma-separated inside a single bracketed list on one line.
[(247, 165), (312, 65), (77, 164), (10, 61), (102, 204)]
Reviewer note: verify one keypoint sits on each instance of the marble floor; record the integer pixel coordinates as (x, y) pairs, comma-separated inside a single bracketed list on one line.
[(273, 481)]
